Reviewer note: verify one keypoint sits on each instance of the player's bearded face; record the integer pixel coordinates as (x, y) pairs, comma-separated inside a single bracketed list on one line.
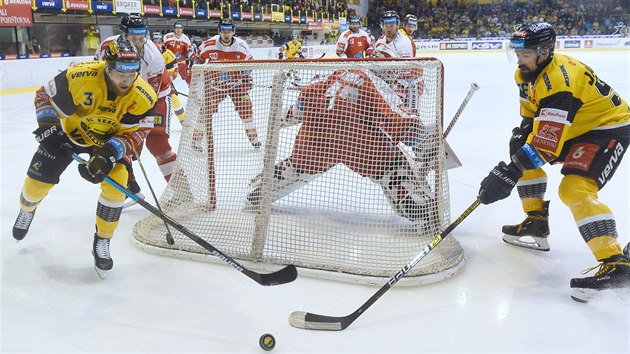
[(409, 28), (121, 82), (226, 36), (354, 27), (390, 29), (528, 64)]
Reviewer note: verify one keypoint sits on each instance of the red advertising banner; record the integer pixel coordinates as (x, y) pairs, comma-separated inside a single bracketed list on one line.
[(151, 10), (185, 11), (14, 13), (78, 5)]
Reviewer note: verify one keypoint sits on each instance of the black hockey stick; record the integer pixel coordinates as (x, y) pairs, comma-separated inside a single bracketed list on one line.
[(307, 320), (282, 276), (169, 236), (180, 93)]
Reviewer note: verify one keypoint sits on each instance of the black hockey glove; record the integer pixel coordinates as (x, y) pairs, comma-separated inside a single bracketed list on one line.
[(499, 183), (51, 138), (99, 165), (519, 135), (301, 56), (518, 139), (280, 55)]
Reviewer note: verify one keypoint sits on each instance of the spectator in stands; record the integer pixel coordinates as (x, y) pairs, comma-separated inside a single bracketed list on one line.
[(92, 38), (34, 47)]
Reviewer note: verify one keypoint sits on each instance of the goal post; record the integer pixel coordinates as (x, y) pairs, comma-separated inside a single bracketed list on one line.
[(349, 182)]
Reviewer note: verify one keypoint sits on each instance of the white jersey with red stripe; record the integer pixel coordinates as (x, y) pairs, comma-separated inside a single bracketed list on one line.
[(181, 46), (213, 49), (353, 45), (152, 67), (401, 44)]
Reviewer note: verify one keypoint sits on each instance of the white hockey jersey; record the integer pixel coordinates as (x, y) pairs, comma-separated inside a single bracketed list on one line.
[(402, 45), (213, 49), (152, 68)]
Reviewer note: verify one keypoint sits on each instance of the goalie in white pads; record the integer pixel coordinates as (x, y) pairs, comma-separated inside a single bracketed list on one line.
[(355, 118)]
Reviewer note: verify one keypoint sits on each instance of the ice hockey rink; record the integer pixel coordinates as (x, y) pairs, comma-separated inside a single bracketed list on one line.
[(504, 300)]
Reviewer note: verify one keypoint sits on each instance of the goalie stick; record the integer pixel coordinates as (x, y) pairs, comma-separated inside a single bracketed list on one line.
[(307, 320), (282, 276), (473, 88)]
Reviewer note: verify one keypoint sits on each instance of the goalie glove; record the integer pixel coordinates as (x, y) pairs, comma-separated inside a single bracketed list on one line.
[(100, 164)]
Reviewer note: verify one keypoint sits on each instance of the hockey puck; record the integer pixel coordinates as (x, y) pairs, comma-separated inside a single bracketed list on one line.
[(267, 342)]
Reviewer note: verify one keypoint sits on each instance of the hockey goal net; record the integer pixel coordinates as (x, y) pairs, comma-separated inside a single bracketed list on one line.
[(348, 182)]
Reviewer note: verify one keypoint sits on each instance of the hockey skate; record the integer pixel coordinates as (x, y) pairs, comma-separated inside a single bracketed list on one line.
[(613, 273), (22, 224), (102, 259), (535, 226)]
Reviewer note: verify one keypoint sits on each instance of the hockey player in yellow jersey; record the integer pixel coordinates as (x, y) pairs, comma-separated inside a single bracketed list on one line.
[(94, 107), (170, 61), (569, 116), (409, 26), (171, 66), (292, 49)]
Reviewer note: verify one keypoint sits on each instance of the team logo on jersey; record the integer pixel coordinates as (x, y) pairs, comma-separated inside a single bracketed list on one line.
[(98, 129)]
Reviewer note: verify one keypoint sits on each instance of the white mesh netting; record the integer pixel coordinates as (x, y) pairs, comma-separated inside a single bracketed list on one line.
[(348, 182)]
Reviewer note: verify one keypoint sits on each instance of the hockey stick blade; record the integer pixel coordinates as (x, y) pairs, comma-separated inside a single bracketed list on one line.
[(307, 320), (282, 276)]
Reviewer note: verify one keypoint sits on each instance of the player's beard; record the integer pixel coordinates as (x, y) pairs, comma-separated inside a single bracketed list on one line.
[(531, 75), (528, 75), (120, 87)]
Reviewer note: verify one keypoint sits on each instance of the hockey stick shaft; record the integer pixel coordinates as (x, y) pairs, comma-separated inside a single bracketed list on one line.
[(284, 275), (169, 236), (180, 93), (307, 320), (473, 88)]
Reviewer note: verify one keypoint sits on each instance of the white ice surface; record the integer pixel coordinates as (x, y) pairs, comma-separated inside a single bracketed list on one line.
[(505, 300)]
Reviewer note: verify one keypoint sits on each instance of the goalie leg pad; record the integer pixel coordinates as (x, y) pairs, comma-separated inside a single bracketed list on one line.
[(399, 187), (287, 178)]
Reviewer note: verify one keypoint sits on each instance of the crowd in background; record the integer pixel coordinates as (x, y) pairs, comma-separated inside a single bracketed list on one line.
[(454, 19), (330, 7), (440, 19)]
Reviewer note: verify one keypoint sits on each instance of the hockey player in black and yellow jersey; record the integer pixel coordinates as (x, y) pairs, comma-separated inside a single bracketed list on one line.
[(292, 49), (570, 116), (93, 107)]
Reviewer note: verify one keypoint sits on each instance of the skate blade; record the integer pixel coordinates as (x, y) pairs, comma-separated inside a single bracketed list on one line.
[(101, 273), (584, 295), (538, 243), (130, 202)]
